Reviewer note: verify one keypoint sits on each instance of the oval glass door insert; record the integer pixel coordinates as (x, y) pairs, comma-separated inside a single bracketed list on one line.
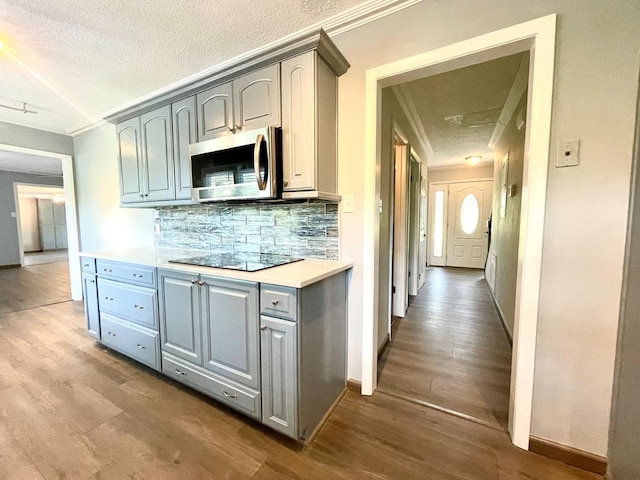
[(469, 214)]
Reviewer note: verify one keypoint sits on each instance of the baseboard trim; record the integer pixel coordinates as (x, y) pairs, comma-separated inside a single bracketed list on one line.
[(13, 265), (354, 385), (384, 346), (570, 456), (500, 314)]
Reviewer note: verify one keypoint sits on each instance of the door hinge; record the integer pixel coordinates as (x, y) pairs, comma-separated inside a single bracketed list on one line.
[(393, 289), (409, 274)]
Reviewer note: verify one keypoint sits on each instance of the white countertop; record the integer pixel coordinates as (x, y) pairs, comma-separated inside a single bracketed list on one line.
[(297, 275)]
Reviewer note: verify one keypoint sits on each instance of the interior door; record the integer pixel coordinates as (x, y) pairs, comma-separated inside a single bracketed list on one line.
[(469, 210)]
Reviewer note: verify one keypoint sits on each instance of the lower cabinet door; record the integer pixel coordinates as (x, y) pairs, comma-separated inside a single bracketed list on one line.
[(133, 340), (91, 311), (222, 389), (230, 330), (180, 326), (279, 352)]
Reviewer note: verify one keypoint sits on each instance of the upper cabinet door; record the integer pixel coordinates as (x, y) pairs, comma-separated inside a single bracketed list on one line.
[(298, 123), (230, 315), (256, 99), (215, 112), (157, 154), (130, 161), (184, 133)]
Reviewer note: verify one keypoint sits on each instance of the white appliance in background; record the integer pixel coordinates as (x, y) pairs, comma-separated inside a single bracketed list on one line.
[(241, 166)]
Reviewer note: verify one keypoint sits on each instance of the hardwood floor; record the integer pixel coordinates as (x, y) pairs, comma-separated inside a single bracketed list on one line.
[(71, 409), (49, 256), (450, 350), (33, 286)]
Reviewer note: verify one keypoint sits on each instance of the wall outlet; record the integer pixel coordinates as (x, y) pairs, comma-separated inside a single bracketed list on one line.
[(568, 154)]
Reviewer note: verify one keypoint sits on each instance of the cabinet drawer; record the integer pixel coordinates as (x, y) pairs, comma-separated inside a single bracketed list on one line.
[(88, 264), (278, 301), (137, 342), (133, 303), (230, 393), (127, 272)]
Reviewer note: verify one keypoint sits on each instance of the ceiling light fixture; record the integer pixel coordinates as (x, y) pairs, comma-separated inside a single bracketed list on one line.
[(473, 159), (1, 45), (24, 108)]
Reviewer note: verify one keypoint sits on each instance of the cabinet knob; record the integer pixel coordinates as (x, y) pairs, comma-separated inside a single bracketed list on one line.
[(138, 307), (237, 128), (107, 270), (111, 333), (141, 347), (200, 282), (137, 275), (108, 298), (194, 282), (85, 264), (92, 281), (263, 327), (275, 302), (180, 372)]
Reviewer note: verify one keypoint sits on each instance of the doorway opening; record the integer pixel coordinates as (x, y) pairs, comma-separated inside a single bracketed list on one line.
[(538, 38), (25, 168)]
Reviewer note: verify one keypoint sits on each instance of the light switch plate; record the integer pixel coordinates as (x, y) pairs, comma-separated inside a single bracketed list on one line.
[(347, 204), (568, 154)]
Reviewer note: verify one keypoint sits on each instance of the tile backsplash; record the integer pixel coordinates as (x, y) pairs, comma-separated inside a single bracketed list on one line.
[(308, 230)]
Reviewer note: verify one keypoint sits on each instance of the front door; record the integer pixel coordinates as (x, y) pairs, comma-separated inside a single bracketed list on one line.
[(469, 210)]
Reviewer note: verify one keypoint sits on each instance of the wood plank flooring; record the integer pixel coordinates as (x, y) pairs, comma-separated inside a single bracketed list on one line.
[(48, 256), (33, 286), (450, 350), (71, 409)]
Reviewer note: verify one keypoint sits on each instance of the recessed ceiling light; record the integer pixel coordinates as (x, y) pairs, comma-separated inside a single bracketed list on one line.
[(1, 44), (473, 159)]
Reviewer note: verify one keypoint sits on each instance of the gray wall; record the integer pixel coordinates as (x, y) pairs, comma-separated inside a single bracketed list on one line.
[(624, 436), (26, 137), (103, 224), (300, 230), (505, 232), (9, 247)]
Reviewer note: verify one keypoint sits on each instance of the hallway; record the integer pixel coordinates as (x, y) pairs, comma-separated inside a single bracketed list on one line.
[(451, 350)]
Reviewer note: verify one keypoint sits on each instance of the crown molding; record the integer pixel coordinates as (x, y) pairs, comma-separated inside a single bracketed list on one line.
[(343, 22), (407, 105)]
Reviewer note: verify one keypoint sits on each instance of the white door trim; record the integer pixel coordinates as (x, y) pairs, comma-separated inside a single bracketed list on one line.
[(537, 36), (73, 243)]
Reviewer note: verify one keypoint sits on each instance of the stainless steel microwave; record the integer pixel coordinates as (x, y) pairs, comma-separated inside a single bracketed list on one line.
[(242, 166)]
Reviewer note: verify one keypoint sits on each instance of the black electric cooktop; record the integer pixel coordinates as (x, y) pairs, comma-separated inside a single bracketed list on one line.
[(231, 262)]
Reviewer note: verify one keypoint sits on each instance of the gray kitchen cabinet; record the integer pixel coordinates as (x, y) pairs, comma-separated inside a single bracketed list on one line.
[(91, 312), (121, 308), (180, 325), (248, 102), (279, 365), (215, 112), (309, 127), (256, 99), (130, 160), (183, 113), (145, 157), (230, 329), (157, 155)]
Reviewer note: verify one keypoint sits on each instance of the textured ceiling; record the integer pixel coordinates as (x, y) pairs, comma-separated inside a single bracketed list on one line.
[(459, 109), (72, 60), (26, 163)]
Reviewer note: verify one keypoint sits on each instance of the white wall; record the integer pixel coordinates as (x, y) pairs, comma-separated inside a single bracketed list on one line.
[(594, 100), (103, 224)]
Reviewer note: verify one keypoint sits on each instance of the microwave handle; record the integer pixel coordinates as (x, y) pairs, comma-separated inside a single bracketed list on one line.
[(262, 184)]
